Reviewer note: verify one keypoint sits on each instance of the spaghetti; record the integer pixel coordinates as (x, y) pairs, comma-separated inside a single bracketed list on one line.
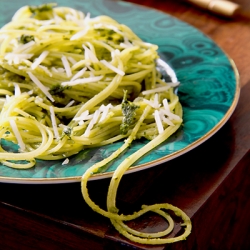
[(70, 82)]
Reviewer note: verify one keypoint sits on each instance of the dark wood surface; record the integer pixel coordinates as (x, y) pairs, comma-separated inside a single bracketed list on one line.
[(210, 183)]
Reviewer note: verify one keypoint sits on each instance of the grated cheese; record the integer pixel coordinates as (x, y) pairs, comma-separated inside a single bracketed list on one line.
[(61, 70), (112, 67), (66, 66), (92, 123), (90, 68), (21, 67), (160, 89), (39, 60), (16, 60), (90, 55), (54, 69), (39, 99), (168, 112), (46, 70), (72, 60), (158, 121), (14, 42), (126, 43), (87, 17), (53, 120), (165, 119), (7, 98), (30, 92), (115, 53), (17, 134), (78, 74), (105, 109), (79, 34), (13, 57), (70, 104), (27, 62), (17, 89), (65, 162), (40, 86), (82, 81), (58, 20), (156, 102), (83, 117)]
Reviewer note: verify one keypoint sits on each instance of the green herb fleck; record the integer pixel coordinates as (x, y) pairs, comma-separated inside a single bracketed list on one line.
[(42, 8), (26, 39), (42, 12), (58, 89), (129, 112)]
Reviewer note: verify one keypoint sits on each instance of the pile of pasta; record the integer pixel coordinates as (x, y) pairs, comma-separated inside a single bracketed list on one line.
[(70, 82)]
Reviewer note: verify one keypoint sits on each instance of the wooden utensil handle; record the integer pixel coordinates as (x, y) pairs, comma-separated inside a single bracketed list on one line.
[(222, 7)]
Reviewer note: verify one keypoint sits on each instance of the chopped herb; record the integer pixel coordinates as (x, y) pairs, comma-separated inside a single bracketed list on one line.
[(110, 35), (42, 8), (120, 40), (128, 110), (42, 12), (26, 39), (58, 89), (111, 32)]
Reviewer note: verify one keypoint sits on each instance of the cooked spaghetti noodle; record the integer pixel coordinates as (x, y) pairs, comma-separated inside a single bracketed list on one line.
[(70, 82)]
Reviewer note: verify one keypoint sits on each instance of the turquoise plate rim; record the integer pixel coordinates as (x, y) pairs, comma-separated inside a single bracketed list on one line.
[(156, 162)]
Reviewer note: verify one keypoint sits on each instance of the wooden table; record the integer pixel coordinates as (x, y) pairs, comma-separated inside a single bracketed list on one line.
[(210, 183)]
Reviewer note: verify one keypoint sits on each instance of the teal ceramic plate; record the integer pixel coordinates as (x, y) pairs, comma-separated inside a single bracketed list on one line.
[(209, 89)]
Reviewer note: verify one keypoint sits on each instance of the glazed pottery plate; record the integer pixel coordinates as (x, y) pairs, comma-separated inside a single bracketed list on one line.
[(209, 90)]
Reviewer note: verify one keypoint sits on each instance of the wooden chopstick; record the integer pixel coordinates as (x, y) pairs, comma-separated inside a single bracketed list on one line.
[(221, 7)]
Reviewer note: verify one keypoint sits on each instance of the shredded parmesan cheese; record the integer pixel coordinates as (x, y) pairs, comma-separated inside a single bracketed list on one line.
[(46, 70), (66, 66), (16, 58), (105, 109), (70, 104), (168, 112), (17, 89), (72, 60), (112, 67), (17, 134), (78, 74), (83, 117), (156, 102), (54, 69), (65, 162), (24, 47), (53, 120), (92, 123), (90, 55), (40, 86), (39, 60), (160, 89), (165, 119), (82, 81), (79, 34), (158, 122)]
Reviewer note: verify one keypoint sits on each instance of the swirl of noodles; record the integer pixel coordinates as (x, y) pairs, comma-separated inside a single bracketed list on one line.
[(70, 82)]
